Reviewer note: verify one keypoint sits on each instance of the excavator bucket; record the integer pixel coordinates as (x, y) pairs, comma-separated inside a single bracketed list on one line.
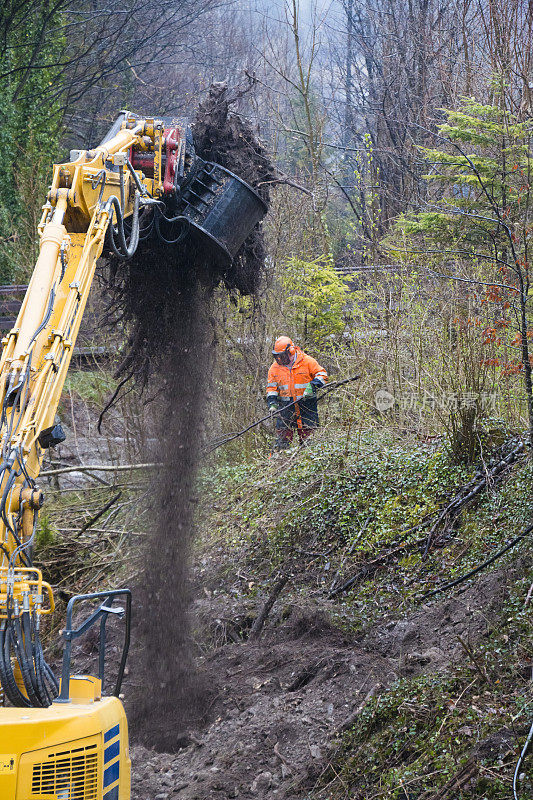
[(220, 209), (202, 199)]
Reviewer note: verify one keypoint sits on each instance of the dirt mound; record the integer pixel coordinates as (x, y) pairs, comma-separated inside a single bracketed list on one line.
[(430, 638), (283, 702), (269, 731)]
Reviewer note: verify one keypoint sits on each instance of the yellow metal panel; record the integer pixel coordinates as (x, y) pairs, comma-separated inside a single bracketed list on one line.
[(85, 689), (60, 740), (71, 771)]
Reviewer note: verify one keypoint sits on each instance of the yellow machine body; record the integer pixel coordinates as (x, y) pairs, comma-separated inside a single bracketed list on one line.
[(75, 749), (68, 751)]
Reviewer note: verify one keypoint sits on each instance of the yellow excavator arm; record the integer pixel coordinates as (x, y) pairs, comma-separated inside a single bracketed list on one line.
[(66, 741)]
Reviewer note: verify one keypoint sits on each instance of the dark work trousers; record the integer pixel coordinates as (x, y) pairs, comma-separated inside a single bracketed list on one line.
[(287, 421)]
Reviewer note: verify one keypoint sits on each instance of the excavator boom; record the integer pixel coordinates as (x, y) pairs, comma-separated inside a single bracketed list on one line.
[(68, 741)]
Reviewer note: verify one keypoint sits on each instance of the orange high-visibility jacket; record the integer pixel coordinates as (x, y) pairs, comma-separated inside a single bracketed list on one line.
[(288, 383)]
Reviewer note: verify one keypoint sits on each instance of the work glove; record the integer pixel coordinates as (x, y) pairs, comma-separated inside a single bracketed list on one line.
[(310, 390), (272, 408)]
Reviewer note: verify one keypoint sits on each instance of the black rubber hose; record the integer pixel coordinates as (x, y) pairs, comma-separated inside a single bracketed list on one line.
[(27, 545), (41, 684), (29, 652), (44, 670), (144, 233), (47, 315), (123, 250), (51, 678), (41, 669), (4, 678), (16, 634), (9, 682), (183, 233), (3, 511)]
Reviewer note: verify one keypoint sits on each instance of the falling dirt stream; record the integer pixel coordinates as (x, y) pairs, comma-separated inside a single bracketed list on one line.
[(162, 294)]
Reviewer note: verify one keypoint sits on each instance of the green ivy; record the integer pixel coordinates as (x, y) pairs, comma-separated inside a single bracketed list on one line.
[(29, 139)]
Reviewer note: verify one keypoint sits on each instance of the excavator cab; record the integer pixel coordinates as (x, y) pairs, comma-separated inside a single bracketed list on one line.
[(77, 747)]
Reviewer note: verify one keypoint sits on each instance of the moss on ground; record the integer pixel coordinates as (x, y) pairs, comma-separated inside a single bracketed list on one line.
[(340, 505), (329, 510), (415, 737)]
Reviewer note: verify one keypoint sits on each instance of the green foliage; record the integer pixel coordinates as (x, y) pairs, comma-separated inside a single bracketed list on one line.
[(485, 178), (90, 385), (357, 500), (46, 532), (479, 180), (29, 136), (316, 295), (341, 486), (486, 175)]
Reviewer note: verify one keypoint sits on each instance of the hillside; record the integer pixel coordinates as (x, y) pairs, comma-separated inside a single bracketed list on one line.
[(368, 691)]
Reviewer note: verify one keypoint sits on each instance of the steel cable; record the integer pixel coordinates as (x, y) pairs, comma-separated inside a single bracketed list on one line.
[(523, 754)]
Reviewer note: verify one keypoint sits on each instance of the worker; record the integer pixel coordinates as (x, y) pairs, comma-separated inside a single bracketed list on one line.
[(293, 376)]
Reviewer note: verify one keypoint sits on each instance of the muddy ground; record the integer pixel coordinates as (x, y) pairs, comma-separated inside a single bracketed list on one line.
[(279, 704)]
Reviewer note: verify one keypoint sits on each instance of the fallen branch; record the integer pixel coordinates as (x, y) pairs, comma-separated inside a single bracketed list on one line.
[(99, 514), (477, 569), (348, 554), (470, 653), (349, 721), (259, 622), (368, 569), (98, 468), (469, 493), (465, 774)]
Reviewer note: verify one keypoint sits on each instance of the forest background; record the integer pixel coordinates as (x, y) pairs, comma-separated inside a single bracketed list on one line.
[(400, 227), (398, 249)]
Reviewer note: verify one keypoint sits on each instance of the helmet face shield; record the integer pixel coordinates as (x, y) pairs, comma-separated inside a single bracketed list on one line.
[(283, 358), (283, 351)]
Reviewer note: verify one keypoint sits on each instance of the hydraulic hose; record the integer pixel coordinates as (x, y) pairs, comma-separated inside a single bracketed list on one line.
[(123, 250), (39, 676), (20, 638), (49, 687), (27, 646), (15, 632), (9, 683), (158, 215)]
